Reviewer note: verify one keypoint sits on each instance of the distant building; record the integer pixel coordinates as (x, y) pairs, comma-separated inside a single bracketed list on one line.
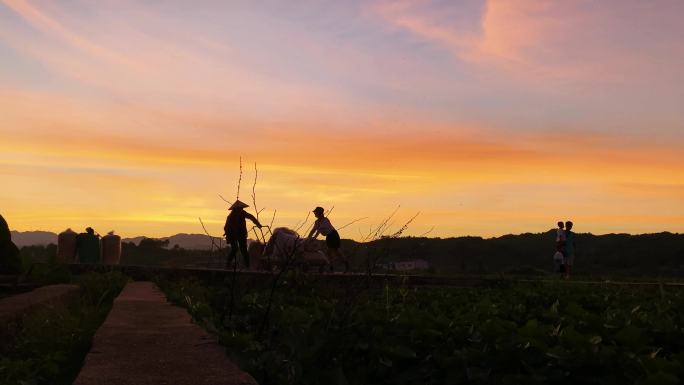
[(413, 264)]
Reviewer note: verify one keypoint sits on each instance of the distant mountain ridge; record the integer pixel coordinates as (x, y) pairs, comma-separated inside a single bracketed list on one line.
[(185, 241), (33, 238)]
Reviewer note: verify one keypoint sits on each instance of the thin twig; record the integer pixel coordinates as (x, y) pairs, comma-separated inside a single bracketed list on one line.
[(254, 202), (263, 237), (239, 181), (352, 222), (256, 177), (224, 199), (255, 233), (299, 227), (384, 224), (272, 219), (209, 235), (427, 232), (405, 226)]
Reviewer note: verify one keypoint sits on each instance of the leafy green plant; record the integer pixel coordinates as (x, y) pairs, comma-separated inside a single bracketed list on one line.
[(551, 333)]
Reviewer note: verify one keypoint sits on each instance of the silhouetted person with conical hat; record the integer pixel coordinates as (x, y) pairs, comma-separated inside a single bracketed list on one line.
[(236, 231)]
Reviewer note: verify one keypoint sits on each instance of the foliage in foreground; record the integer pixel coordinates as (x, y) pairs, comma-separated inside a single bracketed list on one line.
[(48, 346), (553, 333)]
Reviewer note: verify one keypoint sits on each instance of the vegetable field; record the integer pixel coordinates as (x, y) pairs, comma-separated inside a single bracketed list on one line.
[(532, 333)]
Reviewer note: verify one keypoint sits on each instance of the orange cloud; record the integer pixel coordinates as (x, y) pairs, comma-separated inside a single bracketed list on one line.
[(91, 130), (153, 119)]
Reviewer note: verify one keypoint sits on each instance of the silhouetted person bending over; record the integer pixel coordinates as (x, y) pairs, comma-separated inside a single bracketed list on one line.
[(236, 231), (323, 226)]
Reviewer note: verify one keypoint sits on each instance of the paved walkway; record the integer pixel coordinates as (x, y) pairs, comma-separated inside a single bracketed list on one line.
[(147, 341), (16, 305)]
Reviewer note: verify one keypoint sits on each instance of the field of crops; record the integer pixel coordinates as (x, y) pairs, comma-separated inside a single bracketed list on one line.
[(48, 346), (551, 333)]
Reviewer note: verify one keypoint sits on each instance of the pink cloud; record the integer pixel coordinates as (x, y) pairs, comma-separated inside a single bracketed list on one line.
[(539, 40)]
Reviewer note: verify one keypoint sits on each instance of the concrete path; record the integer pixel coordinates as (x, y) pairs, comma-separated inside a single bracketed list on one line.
[(19, 304), (146, 340)]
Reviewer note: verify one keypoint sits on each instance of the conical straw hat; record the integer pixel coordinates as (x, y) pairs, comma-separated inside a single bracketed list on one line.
[(238, 205)]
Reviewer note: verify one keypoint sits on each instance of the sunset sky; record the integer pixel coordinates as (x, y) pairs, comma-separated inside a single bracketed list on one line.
[(488, 117)]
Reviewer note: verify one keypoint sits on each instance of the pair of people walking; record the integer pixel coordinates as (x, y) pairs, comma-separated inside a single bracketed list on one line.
[(565, 248), (235, 231)]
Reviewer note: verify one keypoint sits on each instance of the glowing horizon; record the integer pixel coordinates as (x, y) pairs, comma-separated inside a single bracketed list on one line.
[(488, 117)]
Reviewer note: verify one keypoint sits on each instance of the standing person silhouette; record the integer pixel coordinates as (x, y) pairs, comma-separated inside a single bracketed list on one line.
[(332, 237), (569, 259), (560, 247), (236, 231)]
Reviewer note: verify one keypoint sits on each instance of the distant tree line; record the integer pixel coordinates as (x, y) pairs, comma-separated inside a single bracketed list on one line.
[(150, 251), (660, 254), (612, 254)]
